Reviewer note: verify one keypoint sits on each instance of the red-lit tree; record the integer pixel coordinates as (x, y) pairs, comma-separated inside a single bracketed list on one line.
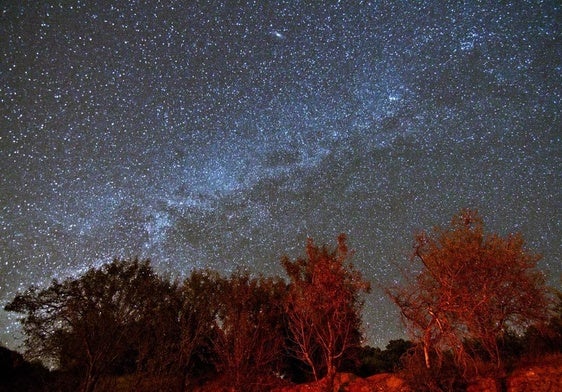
[(472, 287), (323, 307)]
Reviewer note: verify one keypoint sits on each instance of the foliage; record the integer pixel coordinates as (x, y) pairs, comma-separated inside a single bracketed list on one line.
[(420, 378), (17, 374), (472, 286), (85, 326), (250, 336), (323, 307), (200, 304), (547, 337), (373, 360)]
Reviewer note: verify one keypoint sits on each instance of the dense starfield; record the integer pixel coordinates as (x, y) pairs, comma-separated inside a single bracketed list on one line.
[(213, 134)]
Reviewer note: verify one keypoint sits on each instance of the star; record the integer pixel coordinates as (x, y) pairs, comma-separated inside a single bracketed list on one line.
[(223, 136)]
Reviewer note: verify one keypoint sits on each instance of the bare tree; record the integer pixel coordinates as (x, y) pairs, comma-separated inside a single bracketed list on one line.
[(471, 286), (323, 307)]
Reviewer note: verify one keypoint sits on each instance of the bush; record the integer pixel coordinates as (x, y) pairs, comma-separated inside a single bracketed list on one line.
[(443, 378)]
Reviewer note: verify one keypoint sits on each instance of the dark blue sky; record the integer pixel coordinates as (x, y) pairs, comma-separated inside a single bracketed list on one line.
[(207, 134)]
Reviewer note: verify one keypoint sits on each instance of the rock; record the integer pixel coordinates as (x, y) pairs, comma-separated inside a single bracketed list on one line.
[(543, 377), (482, 385), (347, 382), (388, 382), (539, 378)]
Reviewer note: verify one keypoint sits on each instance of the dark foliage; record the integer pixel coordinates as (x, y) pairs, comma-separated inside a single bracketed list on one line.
[(94, 325), (447, 377), (250, 336), (17, 374), (373, 360)]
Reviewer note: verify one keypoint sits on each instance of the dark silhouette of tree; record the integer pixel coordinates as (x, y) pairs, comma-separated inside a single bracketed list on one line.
[(200, 304), (176, 341), (443, 378), (17, 374), (250, 337), (323, 307), (545, 338), (394, 351), (373, 360), (471, 286), (86, 326)]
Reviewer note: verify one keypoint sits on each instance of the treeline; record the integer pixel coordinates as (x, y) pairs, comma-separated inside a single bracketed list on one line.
[(124, 327), (249, 332)]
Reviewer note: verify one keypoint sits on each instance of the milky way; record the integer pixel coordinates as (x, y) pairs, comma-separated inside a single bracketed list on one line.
[(206, 134)]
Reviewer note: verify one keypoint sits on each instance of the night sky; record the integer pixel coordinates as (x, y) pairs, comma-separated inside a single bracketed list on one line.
[(212, 134)]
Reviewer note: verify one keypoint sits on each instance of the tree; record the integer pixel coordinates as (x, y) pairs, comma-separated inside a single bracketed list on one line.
[(374, 360), (177, 344), (250, 338), (17, 374), (323, 307), (540, 339), (89, 324), (471, 287), (200, 304)]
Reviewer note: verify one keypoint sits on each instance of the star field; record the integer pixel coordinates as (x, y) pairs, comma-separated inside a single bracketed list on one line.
[(211, 134)]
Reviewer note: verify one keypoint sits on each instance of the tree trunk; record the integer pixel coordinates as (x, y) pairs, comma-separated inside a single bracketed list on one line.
[(426, 349), (89, 382), (184, 377), (330, 377)]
